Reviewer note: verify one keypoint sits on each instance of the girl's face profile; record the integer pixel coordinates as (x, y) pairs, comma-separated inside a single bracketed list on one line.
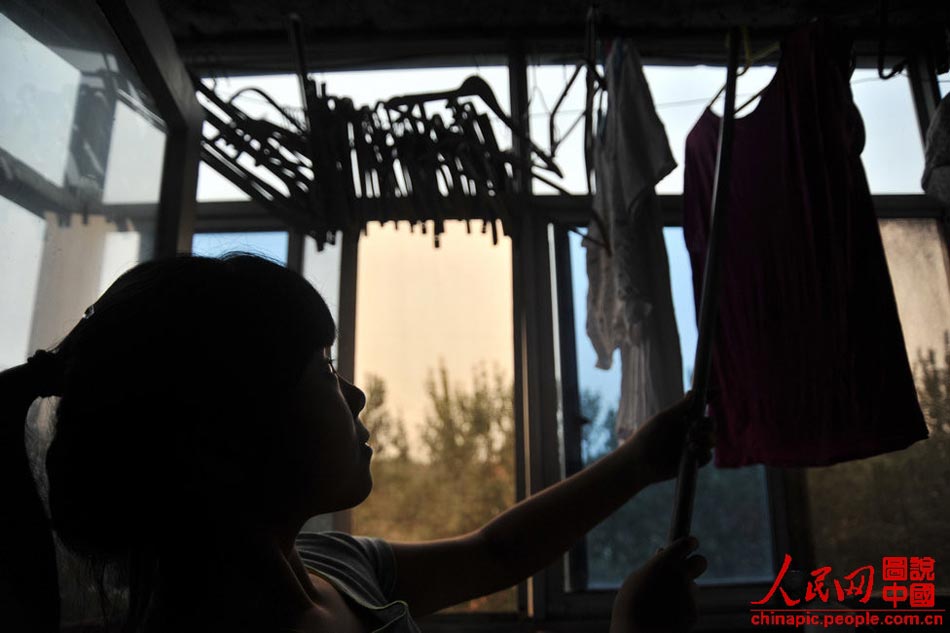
[(326, 448)]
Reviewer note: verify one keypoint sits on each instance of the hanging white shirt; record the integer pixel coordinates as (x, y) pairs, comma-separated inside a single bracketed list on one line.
[(629, 302)]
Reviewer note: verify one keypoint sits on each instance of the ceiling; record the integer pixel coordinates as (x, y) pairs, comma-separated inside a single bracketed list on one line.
[(242, 19), (253, 33)]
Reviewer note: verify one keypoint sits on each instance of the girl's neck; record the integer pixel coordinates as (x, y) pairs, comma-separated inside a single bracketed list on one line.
[(231, 582)]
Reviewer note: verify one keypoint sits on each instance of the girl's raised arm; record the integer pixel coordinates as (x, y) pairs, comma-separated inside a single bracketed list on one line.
[(530, 535)]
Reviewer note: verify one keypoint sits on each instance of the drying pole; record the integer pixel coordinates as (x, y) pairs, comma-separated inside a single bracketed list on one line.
[(686, 480)]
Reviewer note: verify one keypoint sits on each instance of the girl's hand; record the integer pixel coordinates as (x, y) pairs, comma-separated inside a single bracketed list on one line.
[(659, 442), (660, 596)]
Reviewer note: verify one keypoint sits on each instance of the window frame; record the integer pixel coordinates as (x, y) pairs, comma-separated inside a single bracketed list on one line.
[(143, 32), (536, 283), (721, 606)]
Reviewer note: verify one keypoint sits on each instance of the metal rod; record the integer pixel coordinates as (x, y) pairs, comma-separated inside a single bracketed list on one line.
[(708, 307), (309, 99)]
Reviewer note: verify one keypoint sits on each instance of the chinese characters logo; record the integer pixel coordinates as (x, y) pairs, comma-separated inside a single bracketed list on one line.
[(906, 581)]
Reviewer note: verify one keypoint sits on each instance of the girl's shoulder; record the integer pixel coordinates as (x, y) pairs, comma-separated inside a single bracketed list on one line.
[(361, 568)]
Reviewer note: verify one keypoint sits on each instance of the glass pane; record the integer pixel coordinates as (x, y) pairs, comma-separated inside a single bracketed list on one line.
[(899, 499), (890, 124), (731, 516), (322, 270), (213, 187), (22, 236), (136, 150), (82, 145), (545, 84), (36, 114), (434, 354), (271, 244)]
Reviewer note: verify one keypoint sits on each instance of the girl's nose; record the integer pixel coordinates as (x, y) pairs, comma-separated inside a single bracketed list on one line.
[(354, 396)]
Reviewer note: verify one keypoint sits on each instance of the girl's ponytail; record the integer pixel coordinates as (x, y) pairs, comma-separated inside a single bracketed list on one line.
[(29, 587)]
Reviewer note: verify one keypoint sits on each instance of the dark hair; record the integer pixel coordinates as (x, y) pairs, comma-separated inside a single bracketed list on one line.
[(176, 348)]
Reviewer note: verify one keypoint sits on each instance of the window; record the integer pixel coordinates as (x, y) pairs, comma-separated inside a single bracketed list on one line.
[(322, 270), (75, 211), (631, 535), (545, 83), (890, 125), (213, 187), (896, 503), (434, 357), (608, 553), (731, 515)]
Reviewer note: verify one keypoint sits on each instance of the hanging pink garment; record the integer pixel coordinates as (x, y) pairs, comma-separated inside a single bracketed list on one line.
[(809, 363)]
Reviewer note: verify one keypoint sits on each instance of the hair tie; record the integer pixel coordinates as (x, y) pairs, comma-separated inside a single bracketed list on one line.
[(47, 373)]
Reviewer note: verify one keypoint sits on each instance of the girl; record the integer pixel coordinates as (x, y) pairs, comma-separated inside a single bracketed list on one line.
[(201, 422)]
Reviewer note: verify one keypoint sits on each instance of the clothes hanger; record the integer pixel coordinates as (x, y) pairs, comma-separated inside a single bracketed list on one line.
[(475, 86), (340, 163), (882, 46), (758, 57), (284, 113), (777, 47), (590, 64), (553, 141), (750, 60), (590, 52)]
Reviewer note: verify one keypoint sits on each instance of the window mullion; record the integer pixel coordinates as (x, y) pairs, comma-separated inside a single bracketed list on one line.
[(346, 337), (295, 246), (572, 419), (923, 86)]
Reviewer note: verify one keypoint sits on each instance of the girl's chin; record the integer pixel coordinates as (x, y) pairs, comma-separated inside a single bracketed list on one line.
[(354, 499)]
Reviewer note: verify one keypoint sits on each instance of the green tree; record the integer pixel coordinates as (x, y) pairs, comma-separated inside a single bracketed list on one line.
[(465, 474), (387, 430), (933, 387), (895, 502)]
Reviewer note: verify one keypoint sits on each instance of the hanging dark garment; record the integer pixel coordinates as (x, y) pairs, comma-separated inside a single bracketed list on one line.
[(809, 364)]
